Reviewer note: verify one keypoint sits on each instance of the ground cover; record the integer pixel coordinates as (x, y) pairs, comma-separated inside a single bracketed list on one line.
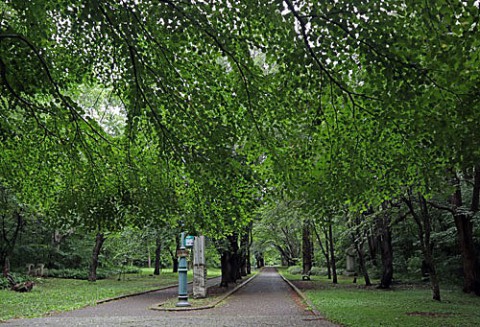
[(405, 305), (58, 294)]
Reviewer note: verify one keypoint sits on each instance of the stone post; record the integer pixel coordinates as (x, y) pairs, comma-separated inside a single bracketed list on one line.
[(199, 268)]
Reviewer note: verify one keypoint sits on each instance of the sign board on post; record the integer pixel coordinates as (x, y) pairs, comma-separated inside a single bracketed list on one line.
[(189, 241), (183, 253)]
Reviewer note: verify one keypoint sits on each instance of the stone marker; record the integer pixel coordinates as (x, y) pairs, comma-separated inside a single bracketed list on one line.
[(350, 271), (199, 268), (39, 271), (30, 269)]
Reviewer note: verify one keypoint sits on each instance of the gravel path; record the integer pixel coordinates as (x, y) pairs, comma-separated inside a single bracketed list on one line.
[(266, 301)]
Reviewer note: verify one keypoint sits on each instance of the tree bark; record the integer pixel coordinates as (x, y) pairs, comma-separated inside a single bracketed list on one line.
[(4, 263), (99, 239), (464, 225), (327, 251), (8, 243), (324, 250), (358, 241), (173, 255), (230, 262), (174, 264), (236, 260), (332, 255), (471, 282), (249, 253), (226, 267), (307, 251), (158, 252), (362, 264), (243, 253)]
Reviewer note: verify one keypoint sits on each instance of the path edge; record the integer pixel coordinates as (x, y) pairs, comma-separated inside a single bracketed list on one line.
[(210, 306), (120, 297), (307, 301)]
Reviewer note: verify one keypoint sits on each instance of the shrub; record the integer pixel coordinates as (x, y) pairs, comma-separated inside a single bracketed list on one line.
[(4, 283), (77, 273), (317, 271), (295, 270), (129, 270), (16, 277), (414, 264)]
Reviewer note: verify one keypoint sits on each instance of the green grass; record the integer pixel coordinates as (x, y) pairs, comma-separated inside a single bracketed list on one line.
[(405, 305), (56, 294)]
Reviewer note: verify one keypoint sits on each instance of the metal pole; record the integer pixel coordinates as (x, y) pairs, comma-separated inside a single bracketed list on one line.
[(182, 274)]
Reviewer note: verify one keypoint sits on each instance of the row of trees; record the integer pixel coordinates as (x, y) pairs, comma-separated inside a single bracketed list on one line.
[(352, 106)]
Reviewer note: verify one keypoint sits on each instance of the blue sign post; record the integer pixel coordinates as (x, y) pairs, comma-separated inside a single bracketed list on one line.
[(182, 273)]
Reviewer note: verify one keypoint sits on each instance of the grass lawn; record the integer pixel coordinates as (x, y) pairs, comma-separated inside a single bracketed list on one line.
[(56, 294), (405, 305)]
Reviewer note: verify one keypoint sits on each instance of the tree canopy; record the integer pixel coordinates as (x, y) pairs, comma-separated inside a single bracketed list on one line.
[(222, 103)]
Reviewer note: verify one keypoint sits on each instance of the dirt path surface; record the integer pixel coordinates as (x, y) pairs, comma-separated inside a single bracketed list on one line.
[(266, 301)]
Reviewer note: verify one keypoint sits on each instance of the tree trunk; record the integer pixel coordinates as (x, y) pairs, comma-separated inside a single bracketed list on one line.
[(249, 255), (471, 281), (358, 242), (361, 263), (243, 253), (226, 266), (235, 256), (158, 252), (327, 251), (385, 236), (260, 261), (230, 261), (4, 263), (291, 249), (149, 257), (173, 255), (372, 248), (7, 244), (306, 248), (425, 229), (332, 255), (359, 236), (99, 239), (324, 249), (463, 222), (174, 264)]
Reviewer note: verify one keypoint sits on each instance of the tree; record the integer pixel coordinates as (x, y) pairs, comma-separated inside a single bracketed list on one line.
[(12, 221), (423, 220)]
